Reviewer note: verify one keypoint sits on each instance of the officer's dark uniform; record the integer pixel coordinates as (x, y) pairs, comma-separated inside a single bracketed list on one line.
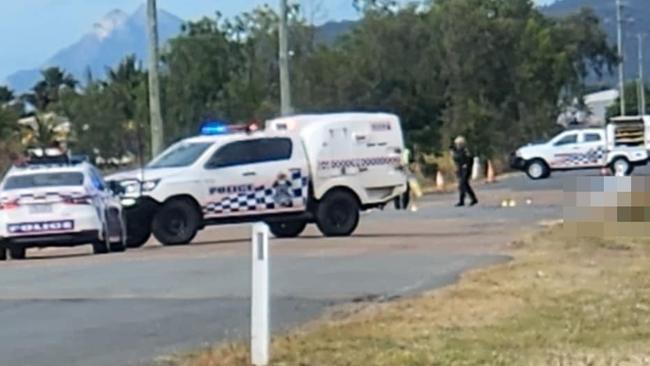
[(464, 161)]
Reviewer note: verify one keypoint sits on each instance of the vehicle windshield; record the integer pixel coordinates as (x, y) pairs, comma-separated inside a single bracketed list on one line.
[(43, 180), (180, 155)]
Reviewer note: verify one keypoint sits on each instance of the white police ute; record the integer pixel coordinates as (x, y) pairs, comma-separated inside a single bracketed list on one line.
[(58, 201), (620, 146), (322, 169)]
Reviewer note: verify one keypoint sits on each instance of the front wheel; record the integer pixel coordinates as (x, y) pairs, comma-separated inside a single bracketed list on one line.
[(537, 169), (176, 223), (289, 229), (137, 235), (17, 252), (337, 214), (621, 167)]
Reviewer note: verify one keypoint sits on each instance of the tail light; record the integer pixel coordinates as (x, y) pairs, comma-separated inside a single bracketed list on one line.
[(4, 206), (83, 200)]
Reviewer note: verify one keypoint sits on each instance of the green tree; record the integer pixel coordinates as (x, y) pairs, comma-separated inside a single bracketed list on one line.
[(46, 93), (109, 117), (631, 101)]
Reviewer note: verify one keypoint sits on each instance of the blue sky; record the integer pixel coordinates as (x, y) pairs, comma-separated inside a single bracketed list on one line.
[(33, 30)]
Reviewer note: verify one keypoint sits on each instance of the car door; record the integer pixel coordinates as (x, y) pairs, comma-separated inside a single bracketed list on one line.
[(565, 151), (256, 176), (98, 193), (593, 145)]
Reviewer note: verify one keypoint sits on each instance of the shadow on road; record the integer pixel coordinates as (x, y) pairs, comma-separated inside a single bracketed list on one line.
[(50, 256)]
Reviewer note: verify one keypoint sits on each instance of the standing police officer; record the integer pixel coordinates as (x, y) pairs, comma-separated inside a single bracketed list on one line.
[(464, 161)]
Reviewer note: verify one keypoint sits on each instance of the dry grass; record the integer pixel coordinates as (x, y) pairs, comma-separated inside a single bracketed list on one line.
[(562, 301)]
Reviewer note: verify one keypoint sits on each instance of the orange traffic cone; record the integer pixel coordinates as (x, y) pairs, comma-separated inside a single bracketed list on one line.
[(490, 173), (440, 181)]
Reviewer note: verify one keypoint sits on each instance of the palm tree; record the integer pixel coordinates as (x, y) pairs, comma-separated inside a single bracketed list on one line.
[(6, 95), (47, 91)]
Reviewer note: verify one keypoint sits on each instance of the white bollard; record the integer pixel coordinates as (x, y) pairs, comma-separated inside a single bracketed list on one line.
[(476, 168), (260, 332)]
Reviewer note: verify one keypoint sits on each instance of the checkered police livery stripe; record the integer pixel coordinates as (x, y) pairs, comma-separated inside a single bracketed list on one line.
[(359, 163), (591, 157), (44, 196), (287, 192)]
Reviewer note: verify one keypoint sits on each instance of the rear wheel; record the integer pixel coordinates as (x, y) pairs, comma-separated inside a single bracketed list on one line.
[(337, 214), (116, 230), (100, 246), (177, 222), (289, 229), (3, 253), (621, 167), (17, 252)]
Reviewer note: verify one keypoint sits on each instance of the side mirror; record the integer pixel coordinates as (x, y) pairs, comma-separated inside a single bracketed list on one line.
[(116, 188)]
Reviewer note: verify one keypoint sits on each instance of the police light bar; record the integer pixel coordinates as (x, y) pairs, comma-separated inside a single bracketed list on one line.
[(212, 128)]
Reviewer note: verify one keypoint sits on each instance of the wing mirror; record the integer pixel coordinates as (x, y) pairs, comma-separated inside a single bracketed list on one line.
[(116, 188)]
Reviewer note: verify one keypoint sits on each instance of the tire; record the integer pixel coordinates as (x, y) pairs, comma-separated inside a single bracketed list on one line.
[(176, 223), (100, 247), (289, 229), (337, 214), (115, 225), (620, 166), (17, 252), (137, 236), (537, 169), (3, 253)]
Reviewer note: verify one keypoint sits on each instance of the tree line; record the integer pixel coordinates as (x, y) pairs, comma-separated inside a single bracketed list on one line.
[(496, 71)]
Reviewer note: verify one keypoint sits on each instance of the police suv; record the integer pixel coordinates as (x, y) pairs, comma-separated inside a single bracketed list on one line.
[(58, 201), (321, 169)]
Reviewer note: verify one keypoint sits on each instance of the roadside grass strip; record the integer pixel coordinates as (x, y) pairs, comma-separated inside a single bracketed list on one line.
[(562, 300)]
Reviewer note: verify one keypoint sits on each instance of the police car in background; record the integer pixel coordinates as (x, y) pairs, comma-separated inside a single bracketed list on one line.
[(322, 169), (620, 146), (53, 200)]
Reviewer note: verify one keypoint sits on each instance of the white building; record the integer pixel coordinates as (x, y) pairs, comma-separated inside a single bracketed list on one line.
[(594, 112)]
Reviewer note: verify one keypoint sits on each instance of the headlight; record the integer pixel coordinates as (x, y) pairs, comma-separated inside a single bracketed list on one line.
[(150, 185), (130, 187)]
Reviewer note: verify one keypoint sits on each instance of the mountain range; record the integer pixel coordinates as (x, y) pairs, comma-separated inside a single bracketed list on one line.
[(118, 34), (113, 37)]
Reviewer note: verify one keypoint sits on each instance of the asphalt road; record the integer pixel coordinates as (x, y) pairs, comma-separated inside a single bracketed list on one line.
[(66, 307)]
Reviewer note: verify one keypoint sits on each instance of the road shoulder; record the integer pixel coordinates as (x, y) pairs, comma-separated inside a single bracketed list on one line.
[(562, 300)]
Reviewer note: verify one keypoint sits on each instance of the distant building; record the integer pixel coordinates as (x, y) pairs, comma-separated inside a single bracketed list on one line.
[(598, 103), (592, 113)]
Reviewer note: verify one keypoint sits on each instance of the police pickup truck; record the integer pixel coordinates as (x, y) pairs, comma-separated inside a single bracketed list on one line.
[(321, 169), (620, 146)]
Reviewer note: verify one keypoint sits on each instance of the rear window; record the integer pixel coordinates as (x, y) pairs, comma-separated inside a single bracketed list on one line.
[(42, 180)]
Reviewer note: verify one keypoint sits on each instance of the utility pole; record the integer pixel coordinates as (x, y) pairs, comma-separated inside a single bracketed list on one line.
[(155, 114), (285, 84), (641, 77), (621, 55)]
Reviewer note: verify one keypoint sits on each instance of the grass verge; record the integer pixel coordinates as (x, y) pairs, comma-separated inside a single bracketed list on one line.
[(563, 300)]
